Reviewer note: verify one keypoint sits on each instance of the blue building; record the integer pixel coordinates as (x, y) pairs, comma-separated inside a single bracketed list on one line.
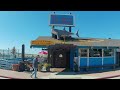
[(90, 53)]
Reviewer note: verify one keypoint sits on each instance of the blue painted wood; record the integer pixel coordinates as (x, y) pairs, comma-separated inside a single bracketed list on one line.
[(72, 59), (83, 61), (77, 51), (108, 60), (97, 61), (94, 61)]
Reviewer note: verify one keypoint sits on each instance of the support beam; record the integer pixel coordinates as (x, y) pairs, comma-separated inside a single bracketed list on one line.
[(23, 52), (70, 29)]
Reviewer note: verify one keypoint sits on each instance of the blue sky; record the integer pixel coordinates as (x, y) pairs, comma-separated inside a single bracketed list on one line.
[(20, 27)]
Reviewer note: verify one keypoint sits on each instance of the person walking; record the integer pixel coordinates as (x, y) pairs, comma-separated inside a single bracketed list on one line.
[(35, 66)]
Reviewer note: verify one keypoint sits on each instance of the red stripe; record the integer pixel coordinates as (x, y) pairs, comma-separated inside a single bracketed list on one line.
[(9, 77), (109, 77)]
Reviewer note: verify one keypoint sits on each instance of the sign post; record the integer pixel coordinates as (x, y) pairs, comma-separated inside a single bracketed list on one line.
[(62, 20)]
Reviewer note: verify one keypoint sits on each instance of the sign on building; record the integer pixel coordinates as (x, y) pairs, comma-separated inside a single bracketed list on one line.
[(61, 20), (41, 42)]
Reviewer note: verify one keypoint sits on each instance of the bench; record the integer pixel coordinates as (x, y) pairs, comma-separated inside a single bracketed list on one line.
[(99, 66)]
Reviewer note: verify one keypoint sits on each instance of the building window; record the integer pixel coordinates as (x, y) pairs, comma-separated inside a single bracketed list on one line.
[(83, 52), (95, 53), (108, 52)]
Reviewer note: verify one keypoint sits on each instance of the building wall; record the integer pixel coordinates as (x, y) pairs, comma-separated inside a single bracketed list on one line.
[(92, 61), (83, 61), (73, 53), (108, 60), (95, 61)]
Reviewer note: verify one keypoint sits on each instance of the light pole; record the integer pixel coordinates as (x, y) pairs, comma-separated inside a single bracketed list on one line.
[(23, 52), (18, 53)]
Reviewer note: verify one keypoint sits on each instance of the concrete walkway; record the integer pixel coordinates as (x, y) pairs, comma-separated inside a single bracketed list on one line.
[(59, 75), (107, 74), (42, 75), (20, 75)]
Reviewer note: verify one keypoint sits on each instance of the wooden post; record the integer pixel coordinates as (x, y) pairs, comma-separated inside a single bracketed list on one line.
[(23, 52)]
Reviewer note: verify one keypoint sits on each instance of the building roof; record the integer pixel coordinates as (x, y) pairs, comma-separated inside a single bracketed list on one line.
[(44, 38), (85, 41)]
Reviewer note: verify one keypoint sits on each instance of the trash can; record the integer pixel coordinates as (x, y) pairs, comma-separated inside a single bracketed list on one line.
[(21, 67)]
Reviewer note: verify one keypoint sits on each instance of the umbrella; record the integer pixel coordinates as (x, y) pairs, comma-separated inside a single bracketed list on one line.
[(43, 52)]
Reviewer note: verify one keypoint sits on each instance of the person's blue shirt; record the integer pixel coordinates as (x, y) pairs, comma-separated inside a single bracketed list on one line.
[(35, 63)]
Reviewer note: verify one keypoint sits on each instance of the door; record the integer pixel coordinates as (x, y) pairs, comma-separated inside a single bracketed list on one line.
[(60, 59)]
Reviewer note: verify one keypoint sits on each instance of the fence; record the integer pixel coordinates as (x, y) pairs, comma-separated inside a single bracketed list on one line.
[(7, 58), (7, 63)]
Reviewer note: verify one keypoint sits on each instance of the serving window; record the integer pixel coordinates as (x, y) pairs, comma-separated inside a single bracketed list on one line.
[(95, 52), (83, 52), (108, 52)]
